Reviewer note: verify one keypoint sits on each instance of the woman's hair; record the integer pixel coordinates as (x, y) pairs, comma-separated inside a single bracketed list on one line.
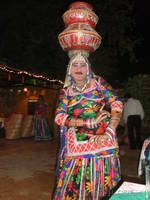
[(69, 79), (127, 95), (40, 99)]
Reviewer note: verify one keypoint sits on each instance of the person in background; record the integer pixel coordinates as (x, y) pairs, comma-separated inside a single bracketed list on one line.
[(88, 166), (2, 129), (41, 129), (133, 114)]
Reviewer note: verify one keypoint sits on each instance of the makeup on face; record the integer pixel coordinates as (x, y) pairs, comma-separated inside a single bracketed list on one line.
[(79, 70)]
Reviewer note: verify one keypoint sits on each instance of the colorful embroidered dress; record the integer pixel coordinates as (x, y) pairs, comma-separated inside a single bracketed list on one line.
[(41, 130), (86, 171)]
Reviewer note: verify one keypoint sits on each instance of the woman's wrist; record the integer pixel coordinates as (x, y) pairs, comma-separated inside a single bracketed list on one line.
[(112, 127), (90, 123), (114, 121), (77, 122)]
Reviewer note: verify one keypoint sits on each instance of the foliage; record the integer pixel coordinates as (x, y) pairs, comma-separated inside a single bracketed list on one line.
[(139, 87)]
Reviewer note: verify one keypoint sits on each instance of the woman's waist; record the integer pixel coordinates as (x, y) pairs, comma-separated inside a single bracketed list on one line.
[(84, 133), (81, 144), (40, 116), (113, 152)]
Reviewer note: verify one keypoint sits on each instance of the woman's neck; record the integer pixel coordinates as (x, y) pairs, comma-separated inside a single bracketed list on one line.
[(80, 83), (80, 86)]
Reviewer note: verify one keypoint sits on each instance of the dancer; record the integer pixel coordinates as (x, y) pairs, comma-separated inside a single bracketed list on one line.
[(41, 129), (88, 166)]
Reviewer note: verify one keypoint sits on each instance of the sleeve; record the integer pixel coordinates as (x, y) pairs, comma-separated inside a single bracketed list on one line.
[(61, 109), (125, 114), (141, 110), (110, 97)]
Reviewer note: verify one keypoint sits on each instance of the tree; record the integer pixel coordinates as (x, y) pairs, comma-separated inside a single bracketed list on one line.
[(117, 28), (139, 87)]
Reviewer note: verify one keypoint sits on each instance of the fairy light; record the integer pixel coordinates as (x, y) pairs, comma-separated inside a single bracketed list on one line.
[(23, 72), (25, 89)]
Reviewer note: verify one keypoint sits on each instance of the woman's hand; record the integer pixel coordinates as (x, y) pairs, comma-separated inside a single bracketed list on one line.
[(115, 119), (102, 114), (100, 139)]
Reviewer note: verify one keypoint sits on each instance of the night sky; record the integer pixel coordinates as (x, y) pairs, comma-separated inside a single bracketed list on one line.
[(142, 17), (142, 27)]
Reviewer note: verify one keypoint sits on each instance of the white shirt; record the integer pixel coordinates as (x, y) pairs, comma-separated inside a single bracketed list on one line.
[(2, 121), (132, 107)]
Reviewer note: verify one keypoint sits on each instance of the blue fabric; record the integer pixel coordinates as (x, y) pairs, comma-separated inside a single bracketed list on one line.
[(62, 143), (147, 154), (41, 130)]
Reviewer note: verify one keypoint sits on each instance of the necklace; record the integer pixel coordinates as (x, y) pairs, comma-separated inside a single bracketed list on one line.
[(80, 89)]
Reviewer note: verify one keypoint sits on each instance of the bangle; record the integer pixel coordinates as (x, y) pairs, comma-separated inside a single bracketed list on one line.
[(111, 127), (90, 123), (75, 122), (84, 122), (115, 118), (87, 123), (95, 124)]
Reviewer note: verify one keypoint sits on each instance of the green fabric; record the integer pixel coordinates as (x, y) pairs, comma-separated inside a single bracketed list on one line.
[(129, 196)]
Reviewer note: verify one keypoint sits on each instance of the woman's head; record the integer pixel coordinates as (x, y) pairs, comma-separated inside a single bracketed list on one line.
[(79, 68), (41, 99)]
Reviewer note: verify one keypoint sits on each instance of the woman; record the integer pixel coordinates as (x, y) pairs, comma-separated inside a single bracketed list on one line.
[(89, 165), (41, 130)]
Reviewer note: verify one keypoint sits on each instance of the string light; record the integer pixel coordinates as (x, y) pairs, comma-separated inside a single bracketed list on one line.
[(23, 72), (25, 89)]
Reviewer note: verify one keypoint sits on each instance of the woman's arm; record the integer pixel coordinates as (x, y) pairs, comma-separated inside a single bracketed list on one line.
[(116, 111), (89, 122), (61, 109), (113, 101), (63, 119)]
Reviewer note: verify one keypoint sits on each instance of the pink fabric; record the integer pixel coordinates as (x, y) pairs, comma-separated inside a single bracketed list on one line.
[(40, 110)]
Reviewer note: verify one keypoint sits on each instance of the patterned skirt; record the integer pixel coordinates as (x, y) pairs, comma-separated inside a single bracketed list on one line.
[(87, 178), (41, 130)]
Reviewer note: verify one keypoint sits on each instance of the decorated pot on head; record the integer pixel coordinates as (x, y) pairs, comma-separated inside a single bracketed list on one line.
[(80, 12), (79, 34)]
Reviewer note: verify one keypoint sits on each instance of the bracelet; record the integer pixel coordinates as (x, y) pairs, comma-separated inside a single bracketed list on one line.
[(115, 118), (94, 123), (90, 123), (75, 123), (87, 123), (84, 123), (111, 127)]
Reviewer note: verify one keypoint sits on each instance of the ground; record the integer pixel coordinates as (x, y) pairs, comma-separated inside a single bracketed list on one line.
[(27, 168)]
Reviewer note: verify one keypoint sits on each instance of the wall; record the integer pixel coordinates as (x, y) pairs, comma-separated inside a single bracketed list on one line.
[(16, 100)]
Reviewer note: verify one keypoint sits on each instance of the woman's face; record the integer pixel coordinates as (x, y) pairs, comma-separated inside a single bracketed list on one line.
[(79, 69)]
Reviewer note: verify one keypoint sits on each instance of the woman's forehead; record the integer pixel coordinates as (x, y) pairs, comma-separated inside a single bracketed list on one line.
[(79, 60)]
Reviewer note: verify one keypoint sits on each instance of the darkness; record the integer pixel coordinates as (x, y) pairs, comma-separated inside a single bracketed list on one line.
[(142, 17), (55, 9)]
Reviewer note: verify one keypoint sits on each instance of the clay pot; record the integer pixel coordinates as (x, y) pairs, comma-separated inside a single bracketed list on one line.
[(79, 36), (77, 14)]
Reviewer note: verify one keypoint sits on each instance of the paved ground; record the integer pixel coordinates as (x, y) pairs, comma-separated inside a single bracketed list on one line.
[(27, 168)]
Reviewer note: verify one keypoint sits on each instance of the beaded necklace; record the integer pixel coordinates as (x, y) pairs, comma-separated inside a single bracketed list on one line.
[(80, 89)]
